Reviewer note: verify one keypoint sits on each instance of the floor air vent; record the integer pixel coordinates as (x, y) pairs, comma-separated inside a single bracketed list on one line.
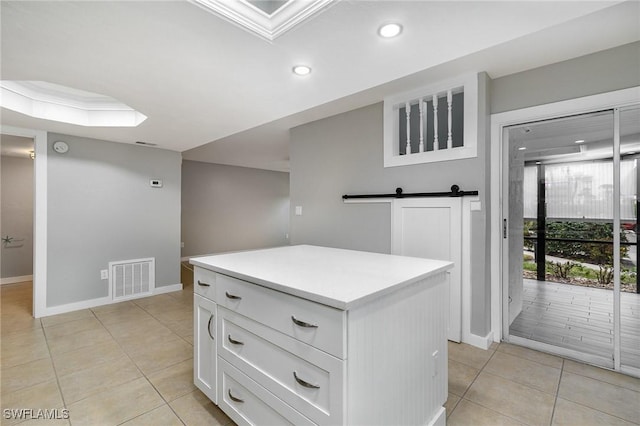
[(132, 278)]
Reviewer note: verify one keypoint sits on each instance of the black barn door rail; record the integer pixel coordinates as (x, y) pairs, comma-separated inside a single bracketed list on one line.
[(455, 192)]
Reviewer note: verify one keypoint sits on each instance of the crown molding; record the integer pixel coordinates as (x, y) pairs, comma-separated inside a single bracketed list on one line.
[(256, 21)]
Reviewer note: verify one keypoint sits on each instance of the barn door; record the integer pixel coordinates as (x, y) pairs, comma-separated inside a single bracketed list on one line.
[(431, 228)]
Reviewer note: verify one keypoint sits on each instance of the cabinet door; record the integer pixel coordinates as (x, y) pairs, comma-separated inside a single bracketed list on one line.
[(204, 346)]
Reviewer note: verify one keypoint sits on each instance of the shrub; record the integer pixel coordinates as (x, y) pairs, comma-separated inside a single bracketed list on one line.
[(598, 254), (562, 270)]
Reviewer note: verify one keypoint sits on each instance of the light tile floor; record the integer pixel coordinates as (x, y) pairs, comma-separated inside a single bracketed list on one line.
[(131, 364)]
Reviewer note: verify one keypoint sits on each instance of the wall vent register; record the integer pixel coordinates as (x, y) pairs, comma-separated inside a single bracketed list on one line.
[(132, 278)]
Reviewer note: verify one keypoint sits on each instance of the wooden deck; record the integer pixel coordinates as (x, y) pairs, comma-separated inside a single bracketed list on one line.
[(579, 318)]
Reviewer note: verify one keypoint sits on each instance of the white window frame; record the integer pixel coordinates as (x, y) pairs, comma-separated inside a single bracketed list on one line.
[(392, 157)]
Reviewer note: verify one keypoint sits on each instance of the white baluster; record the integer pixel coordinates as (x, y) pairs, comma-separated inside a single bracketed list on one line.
[(421, 104), (449, 104), (435, 122), (407, 108)]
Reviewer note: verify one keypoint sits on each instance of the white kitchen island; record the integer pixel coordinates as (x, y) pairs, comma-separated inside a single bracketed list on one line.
[(316, 335)]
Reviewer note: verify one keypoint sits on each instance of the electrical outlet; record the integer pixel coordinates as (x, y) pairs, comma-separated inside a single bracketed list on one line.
[(182, 244), (104, 274)]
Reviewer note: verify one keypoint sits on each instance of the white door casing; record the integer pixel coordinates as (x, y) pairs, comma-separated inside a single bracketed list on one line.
[(432, 228), (499, 196)]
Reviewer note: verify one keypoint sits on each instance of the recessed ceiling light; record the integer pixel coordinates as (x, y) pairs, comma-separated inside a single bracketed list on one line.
[(522, 148), (301, 70), (390, 30), (580, 141)]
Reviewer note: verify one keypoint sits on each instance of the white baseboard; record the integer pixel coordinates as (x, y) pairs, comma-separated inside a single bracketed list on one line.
[(440, 419), (13, 280), (482, 342), (93, 303), (76, 306), (167, 288)]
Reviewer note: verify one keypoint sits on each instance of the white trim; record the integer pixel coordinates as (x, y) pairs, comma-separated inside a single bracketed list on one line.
[(470, 118), (101, 301), (482, 342), (630, 371), (585, 104), (39, 214), (63, 104), (504, 255), (256, 21), (167, 289), (467, 336), (440, 418), (13, 280), (599, 361), (76, 306)]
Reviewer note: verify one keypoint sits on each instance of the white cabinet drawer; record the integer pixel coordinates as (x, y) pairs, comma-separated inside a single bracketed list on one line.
[(204, 282), (304, 377), (247, 403), (318, 325)]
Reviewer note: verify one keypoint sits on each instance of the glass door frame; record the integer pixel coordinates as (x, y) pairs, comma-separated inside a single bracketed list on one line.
[(499, 183)]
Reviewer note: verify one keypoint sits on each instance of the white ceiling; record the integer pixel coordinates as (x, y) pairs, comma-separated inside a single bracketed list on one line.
[(220, 94)]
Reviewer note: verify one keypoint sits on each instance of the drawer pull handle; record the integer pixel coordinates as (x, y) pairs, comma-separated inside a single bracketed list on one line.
[(302, 323), (209, 327), (303, 383), (235, 342), (233, 398), (203, 284), (232, 296)]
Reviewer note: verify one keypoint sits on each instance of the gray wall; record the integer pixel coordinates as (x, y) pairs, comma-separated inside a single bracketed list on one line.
[(600, 72), (17, 216), (343, 155), (226, 208), (101, 209)]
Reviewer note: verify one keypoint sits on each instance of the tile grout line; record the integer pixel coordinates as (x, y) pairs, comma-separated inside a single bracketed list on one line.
[(488, 408), (555, 400), (142, 372), (41, 328), (132, 362), (597, 380), (55, 372)]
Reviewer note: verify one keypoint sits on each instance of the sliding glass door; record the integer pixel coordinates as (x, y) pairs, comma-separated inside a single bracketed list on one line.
[(570, 217)]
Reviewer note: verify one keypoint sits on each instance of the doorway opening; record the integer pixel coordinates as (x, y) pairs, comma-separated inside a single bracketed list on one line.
[(38, 140), (17, 155), (570, 213)]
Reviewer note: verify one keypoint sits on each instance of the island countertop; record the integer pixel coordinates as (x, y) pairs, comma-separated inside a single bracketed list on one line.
[(339, 278)]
